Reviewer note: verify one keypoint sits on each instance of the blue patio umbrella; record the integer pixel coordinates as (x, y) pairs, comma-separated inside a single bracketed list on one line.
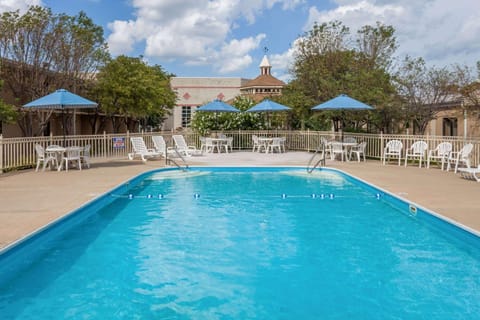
[(217, 106), (343, 102), (268, 106), (61, 99)]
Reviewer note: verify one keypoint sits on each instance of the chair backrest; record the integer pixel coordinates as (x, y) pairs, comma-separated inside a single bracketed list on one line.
[(419, 147), (159, 143), (138, 144), (361, 146), (40, 151), (209, 142), (73, 153), (276, 142), (394, 146), (465, 151), (180, 142), (337, 147), (86, 150), (443, 148)]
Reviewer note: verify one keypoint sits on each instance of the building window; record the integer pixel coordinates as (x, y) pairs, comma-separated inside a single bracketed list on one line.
[(449, 127), (186, 116)]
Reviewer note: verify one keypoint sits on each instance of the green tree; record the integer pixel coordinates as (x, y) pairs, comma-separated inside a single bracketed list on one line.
[(133, 93), (377, 44), (301, 115), (423, 89), (8, 113), (326, 66), (468, 87), (41, 52)]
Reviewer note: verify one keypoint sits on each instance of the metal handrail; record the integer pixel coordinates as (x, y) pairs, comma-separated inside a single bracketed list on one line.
[(322, 161), (169, 160)]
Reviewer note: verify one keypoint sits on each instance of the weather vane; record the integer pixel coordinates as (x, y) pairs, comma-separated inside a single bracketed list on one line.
[(265, 50)]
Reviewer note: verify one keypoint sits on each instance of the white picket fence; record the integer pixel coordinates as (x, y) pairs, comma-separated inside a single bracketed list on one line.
[(19, 153)]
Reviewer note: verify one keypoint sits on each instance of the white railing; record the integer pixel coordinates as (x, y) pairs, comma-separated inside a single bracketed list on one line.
[(18, 153)]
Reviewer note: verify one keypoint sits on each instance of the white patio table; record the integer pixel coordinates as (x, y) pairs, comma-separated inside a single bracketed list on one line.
[(221, 143), (61, 153)]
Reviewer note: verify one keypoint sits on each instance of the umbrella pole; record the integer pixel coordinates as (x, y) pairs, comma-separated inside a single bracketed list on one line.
[(64, 127)]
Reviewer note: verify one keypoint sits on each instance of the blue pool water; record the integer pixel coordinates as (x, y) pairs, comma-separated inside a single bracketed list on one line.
[(238, 243)]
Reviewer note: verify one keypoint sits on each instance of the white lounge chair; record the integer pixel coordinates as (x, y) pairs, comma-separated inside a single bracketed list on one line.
[(416, 151), (440, 153), (47, 158), (161, 146), (393, 149), (470, 173), (359, 151), (140, 149), (460, 157), (184, 149)]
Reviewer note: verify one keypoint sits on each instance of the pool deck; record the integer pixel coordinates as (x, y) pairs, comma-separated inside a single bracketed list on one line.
[(30, 200)]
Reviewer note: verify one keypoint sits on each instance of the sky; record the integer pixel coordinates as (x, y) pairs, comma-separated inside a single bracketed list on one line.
[(228, 38)]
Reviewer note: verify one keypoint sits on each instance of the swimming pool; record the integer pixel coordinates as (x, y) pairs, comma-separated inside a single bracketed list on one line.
[(243, 243)]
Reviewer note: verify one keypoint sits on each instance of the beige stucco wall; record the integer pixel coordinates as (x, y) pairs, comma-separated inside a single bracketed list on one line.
[(470, 122), (196, 91)]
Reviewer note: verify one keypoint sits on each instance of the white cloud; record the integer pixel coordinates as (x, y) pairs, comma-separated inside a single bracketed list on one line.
[(440, 31), (234, 56), (196, 31), (22, 5)]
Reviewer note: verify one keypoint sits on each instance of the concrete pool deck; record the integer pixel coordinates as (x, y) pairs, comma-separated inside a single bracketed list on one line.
[(30, 200)]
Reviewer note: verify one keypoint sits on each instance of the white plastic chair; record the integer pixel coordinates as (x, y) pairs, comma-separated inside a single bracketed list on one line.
[(72, 155), (440, 153), (460, 157), (203, 147), (183, 148), (85, 155), (337, 148), (359, 151), (230, 144), (257, 146), (327, 145), (393, 149), (416, 151), (210, 146), (276, 144), (140, 149), (47, 158)]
